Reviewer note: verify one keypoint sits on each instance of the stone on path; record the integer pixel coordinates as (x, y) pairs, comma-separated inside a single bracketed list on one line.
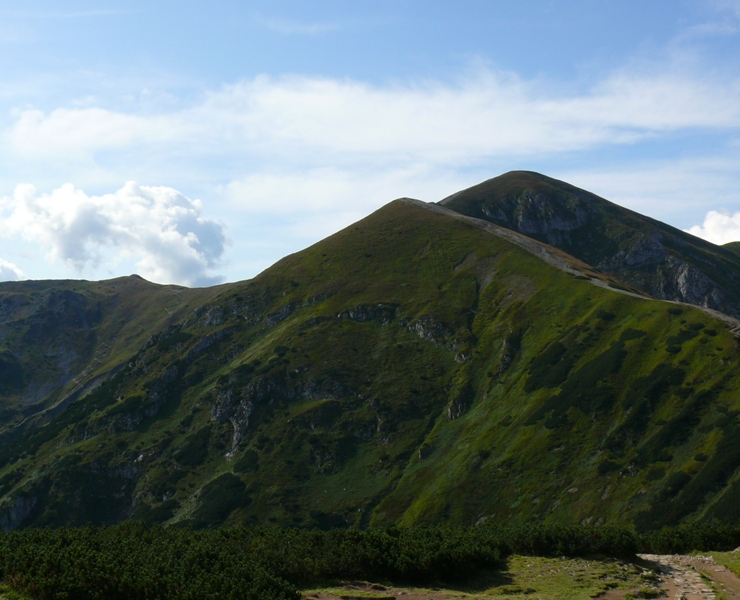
[(681, 572)]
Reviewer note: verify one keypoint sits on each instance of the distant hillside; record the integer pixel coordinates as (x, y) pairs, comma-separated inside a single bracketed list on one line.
[(419, 366), (656, 258), (58, 339)]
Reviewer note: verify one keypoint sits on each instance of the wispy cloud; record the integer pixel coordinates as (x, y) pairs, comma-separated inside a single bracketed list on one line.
[(733, 6), (71, 14), (675, 191), (290, 27), (488, 115)]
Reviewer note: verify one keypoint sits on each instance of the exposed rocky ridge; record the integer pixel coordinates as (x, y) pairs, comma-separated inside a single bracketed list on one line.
[(660, 260)]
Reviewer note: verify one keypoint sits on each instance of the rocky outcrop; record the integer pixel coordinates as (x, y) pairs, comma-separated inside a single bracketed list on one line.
[(647, 251), (383, 313), (460, 403), (235, 410), (236, 404), (431, 329), (280, 315), (509, 350), (133, 411), (207, 341), (534, 213)]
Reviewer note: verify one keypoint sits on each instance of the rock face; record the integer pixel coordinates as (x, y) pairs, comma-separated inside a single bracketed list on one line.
[(655, 258)]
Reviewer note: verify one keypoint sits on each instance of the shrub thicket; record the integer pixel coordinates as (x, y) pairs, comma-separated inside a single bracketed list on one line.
[(134, 561)]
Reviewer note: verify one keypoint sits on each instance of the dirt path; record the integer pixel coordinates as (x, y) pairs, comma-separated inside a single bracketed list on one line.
[(682, 577)]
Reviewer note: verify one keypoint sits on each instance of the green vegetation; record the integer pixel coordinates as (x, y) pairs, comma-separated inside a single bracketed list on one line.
[(413, 369), (133, 561)]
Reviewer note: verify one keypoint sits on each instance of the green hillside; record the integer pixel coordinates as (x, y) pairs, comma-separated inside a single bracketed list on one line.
[(416, 367)]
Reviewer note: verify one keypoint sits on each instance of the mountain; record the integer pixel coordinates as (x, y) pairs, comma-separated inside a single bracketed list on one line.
[(420, 366), (658, 259)]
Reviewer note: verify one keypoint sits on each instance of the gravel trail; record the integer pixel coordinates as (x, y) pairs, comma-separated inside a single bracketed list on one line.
[(682, 577)]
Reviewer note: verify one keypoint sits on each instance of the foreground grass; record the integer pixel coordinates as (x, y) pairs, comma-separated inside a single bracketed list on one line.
[(524, 577)]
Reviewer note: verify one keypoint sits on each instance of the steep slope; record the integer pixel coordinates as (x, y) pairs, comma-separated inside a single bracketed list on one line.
[(418, 366), (660, 260), (59, 339)]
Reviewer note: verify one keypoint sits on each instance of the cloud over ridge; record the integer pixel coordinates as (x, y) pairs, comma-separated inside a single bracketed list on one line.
[(9, 272), (719, 227), (158, 227)]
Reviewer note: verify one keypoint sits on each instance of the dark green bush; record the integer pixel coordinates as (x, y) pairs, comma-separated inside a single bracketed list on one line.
[(133, 561)]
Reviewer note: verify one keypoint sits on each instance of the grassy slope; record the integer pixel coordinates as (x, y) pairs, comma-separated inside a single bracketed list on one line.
[(569, 402)]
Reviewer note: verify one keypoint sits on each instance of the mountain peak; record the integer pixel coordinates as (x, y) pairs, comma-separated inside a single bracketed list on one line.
[(541, 203), (657, 259)]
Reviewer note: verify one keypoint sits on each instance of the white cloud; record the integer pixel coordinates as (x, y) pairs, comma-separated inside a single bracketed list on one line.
[(290, 159), (304, 119), (730, 5), (337, 190), (77, 133), (719, 227), (9, 272), (157, 226), (674, 191)]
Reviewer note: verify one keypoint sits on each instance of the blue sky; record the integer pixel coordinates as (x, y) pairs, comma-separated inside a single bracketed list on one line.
[(197, 142)]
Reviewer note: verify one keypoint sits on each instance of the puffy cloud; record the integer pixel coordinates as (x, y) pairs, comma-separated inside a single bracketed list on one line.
[(9, 272), (718, 227), (157, 226)]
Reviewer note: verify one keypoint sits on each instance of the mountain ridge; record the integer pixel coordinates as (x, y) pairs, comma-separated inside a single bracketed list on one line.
[(418, 366), (660, 260)]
